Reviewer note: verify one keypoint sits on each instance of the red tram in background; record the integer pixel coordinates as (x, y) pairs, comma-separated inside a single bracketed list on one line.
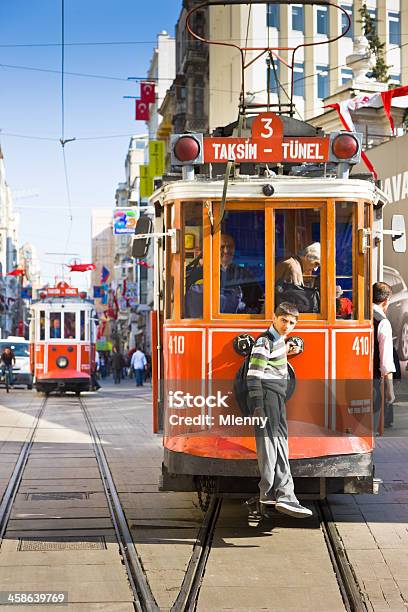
[(62, 340)]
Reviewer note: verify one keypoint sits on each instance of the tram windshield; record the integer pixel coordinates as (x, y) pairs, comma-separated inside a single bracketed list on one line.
[(345, 230), (55, 325), (69, 325), (242, 262), (260, 256), (193, 260), (297, 258), (62, 326)]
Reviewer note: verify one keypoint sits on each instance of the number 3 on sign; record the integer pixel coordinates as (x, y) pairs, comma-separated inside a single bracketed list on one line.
[(267, 131), (176, 345), (360, 345)]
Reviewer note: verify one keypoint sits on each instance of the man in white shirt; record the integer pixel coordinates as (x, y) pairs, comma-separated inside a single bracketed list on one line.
[(138, 363), (383, 350)]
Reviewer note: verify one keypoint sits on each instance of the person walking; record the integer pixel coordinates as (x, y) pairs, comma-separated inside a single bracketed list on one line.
[(138, 364), (383, 367), (102, 365), (267, 384), (117, 365)]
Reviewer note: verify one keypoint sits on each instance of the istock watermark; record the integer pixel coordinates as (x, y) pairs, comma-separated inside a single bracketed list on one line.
[(179, 399)]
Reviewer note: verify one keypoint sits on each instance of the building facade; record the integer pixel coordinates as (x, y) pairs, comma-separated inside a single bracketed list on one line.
[(318, 71), (9, 285), (161, 72)]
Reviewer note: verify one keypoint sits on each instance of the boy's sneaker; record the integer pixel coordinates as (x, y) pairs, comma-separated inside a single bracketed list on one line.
[(267, 501), (294, 509)]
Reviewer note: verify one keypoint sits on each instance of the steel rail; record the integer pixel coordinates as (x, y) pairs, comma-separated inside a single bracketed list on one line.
[(190, 587), (17, 475), (144, 600), (349, 588)]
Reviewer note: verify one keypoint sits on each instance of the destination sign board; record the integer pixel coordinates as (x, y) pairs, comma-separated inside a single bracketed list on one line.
[(267, 145)]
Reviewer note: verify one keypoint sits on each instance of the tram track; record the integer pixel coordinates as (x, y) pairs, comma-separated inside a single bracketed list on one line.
[(144, 600), (349, 588), (188, 596), (189, 593), (11, 491)]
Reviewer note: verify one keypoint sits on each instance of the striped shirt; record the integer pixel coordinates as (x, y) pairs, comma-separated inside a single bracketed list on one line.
[(268, 365)]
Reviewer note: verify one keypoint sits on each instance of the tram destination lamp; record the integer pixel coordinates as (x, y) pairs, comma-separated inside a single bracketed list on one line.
[(187, 150), (345, 150)]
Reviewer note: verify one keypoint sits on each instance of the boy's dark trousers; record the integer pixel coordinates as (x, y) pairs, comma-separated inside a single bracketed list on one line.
[(272, 450)]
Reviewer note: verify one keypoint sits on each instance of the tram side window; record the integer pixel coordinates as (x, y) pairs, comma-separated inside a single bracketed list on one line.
[(55, 325), (297, 258), (345, 293), (193, 282), (69, 325), (42, 325), (82, 324), (242, 262)]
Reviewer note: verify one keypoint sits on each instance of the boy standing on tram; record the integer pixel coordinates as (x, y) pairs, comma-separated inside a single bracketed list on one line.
[(267, 384)]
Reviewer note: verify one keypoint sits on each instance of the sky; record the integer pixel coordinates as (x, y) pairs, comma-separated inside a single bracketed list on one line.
[(94, 108)]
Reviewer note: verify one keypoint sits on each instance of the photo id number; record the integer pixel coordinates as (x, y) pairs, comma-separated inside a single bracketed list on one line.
[(21, 598)]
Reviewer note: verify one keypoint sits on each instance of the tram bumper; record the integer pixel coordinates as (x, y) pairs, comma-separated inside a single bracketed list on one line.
[(314, 477), (69, 380)]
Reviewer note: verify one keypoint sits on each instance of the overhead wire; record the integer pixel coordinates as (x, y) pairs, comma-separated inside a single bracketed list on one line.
[(63, 141)]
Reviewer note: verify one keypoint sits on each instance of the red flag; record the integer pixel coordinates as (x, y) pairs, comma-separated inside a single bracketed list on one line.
[(142, 111), (143, 263), (82, 267), (147, 92), (17, 272)]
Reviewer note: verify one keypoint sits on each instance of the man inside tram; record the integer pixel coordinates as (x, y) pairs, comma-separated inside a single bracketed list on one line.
[(55, 331), (297, 281), (239, 290)]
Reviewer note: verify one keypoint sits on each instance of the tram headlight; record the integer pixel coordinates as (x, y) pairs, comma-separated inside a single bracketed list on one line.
[(187, 149), (62, 362), (345, 147)]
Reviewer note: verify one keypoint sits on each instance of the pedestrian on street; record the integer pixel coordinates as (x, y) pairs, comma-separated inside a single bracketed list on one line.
[(130, 355), (138, 364), (267, 385), (384, 366), (102, 365), (117, 365)]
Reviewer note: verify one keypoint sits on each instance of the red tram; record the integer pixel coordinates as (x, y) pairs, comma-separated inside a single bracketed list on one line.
[(221, 247), (62, 340)]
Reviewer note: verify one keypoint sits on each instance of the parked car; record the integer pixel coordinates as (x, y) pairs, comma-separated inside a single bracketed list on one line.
[(21, 349), (398, 311)]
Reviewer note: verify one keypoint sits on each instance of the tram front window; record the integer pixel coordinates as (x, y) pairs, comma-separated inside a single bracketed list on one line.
[(345, 299), (297, 258), (193, 260), (242, 262), (42, 324), (69, 325), (82, 324), (55, 325)]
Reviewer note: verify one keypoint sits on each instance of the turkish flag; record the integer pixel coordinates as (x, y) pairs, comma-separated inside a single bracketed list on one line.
[(16, 272), (82, 267), (142, 111), (147, 92)]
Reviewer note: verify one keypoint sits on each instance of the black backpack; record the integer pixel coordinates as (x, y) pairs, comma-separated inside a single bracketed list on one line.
[(240, 387), (306, 299)]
